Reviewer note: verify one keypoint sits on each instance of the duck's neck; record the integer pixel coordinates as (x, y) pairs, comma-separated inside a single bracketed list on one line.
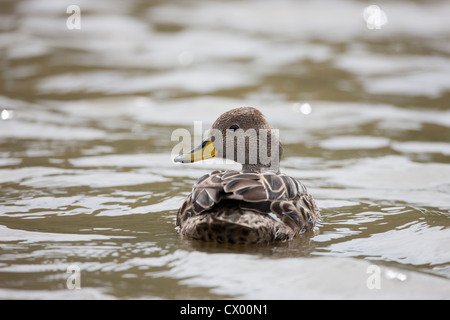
[(272, 164), (259, 168)]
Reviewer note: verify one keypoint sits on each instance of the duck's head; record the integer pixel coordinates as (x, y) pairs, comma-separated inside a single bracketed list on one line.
[(242, 135)]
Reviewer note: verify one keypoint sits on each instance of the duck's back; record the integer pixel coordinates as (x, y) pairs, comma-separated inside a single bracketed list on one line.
[(240, 207)]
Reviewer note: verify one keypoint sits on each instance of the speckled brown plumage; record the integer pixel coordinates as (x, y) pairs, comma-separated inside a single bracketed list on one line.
[(236, 207)]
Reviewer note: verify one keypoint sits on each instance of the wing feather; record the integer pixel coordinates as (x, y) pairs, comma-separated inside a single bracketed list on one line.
[(278, 197)]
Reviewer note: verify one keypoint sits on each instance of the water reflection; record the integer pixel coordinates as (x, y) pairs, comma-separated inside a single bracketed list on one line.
[(85, 141)]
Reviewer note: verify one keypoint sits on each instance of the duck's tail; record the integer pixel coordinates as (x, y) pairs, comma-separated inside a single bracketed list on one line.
[(249, 228)]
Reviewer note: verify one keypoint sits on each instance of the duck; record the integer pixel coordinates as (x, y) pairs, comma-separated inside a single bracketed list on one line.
[(257, 204)]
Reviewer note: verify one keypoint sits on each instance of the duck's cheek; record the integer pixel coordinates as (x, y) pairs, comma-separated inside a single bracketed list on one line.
[(226, 153), (218, 149), (222, 150)]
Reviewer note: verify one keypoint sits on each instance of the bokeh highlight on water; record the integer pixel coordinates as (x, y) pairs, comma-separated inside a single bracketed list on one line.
[(87, 116)]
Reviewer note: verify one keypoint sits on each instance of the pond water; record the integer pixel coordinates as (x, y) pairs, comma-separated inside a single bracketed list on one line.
[(86, 148)]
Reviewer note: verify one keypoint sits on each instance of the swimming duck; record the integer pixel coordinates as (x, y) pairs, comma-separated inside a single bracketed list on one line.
[(254, 205)]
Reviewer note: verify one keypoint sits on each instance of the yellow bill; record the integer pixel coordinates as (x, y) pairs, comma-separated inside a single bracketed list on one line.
[(203, 151)]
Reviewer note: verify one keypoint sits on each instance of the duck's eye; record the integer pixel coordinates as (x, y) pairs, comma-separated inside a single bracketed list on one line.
[(234, 127)]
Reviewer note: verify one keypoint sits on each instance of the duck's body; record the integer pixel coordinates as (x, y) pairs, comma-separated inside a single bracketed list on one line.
[(258, 204), (241, 207)]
